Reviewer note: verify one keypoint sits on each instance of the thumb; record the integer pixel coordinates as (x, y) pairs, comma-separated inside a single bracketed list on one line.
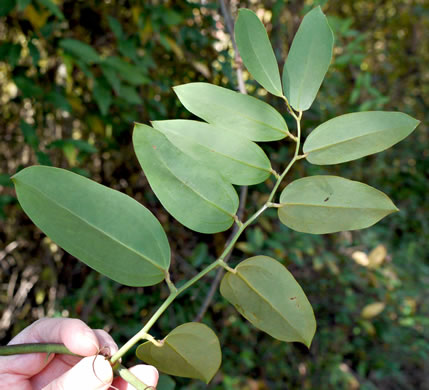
[(91, 373)]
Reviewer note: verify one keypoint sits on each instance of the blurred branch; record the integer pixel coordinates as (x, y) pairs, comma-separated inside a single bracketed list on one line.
[(243, 192), (237, 58)]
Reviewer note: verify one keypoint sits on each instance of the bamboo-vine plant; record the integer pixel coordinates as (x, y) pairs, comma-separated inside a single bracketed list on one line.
[(192, 166)]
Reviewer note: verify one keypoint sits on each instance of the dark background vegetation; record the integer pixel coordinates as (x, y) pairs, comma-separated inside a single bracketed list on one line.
[(75, 75)]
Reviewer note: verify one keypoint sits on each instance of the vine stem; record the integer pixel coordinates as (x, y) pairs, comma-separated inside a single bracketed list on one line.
[(18, 349), (141, 335), (174, 291)]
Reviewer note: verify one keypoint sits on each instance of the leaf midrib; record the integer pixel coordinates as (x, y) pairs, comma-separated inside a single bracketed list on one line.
[(332, 206), (369, 134), (261, 62), (191, 188), (301, 82), (95, 227), (229, 157), (182, 357), (249, 118), (269, 303)]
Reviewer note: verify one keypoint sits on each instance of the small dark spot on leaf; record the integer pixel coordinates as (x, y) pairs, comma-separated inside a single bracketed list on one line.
[(326, 199), (292, 298)]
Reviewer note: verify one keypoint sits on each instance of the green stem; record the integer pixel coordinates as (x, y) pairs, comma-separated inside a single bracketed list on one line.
[(17, 349), (141, 335), (131, 378), (295, 157), (219, 262)]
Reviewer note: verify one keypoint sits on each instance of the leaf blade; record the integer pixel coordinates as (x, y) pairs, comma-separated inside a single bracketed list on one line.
[(268, 296), (80, 50), (197, 196), (352, 136), (77, 214), (256, 51), (329, 204), (239, 160), (245, 115), (191, 350), (302, 76)]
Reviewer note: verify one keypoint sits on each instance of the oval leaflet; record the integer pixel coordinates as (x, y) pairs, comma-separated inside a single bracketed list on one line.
[(104, 228), (329, 204), (267, 295), (191, 350)]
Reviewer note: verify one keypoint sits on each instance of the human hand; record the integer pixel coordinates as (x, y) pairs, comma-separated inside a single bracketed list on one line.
[(66, 372)]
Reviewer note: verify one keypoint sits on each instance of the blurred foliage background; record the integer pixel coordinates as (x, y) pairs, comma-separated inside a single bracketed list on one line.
[(75, 75)]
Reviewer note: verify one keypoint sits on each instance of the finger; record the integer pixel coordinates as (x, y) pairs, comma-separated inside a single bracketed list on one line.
[(78, 337), (147, 374), (63, 363), (108, 347), (75, 334), (91, 373)]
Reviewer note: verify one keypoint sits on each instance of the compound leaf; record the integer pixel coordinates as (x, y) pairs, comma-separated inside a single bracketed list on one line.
[(267, 295), (256, 51), (196, 195), (308, 60), (104, 228), (352, 136), (192, 350), (237, 159), (329, 204), (249, 117)]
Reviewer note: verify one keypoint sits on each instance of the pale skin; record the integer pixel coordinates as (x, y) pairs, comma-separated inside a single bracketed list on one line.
[(65, 372)]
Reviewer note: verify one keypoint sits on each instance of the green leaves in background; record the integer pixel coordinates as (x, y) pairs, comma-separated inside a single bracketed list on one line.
[(6, 6), (267, 295), (308, 60), (103, 97), (27, 87), (10, 53), (196, 195), (192, 350), (351, 136), (80, 50), (165, 383), (107, 230), (126, 71), (22, 4), (329, 204), (256, 51), (237, 159), (242, 114), (30, 135), (51, 6)]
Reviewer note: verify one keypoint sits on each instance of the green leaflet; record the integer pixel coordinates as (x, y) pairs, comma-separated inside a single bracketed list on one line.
[(329, 204), (197, 196), (256, 51), (352, 136), (267, 295), (192, 350), (107, 230), (127, 71), (53, 7), (308, 60), (80, 50), (245, 115), (237, 159)]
